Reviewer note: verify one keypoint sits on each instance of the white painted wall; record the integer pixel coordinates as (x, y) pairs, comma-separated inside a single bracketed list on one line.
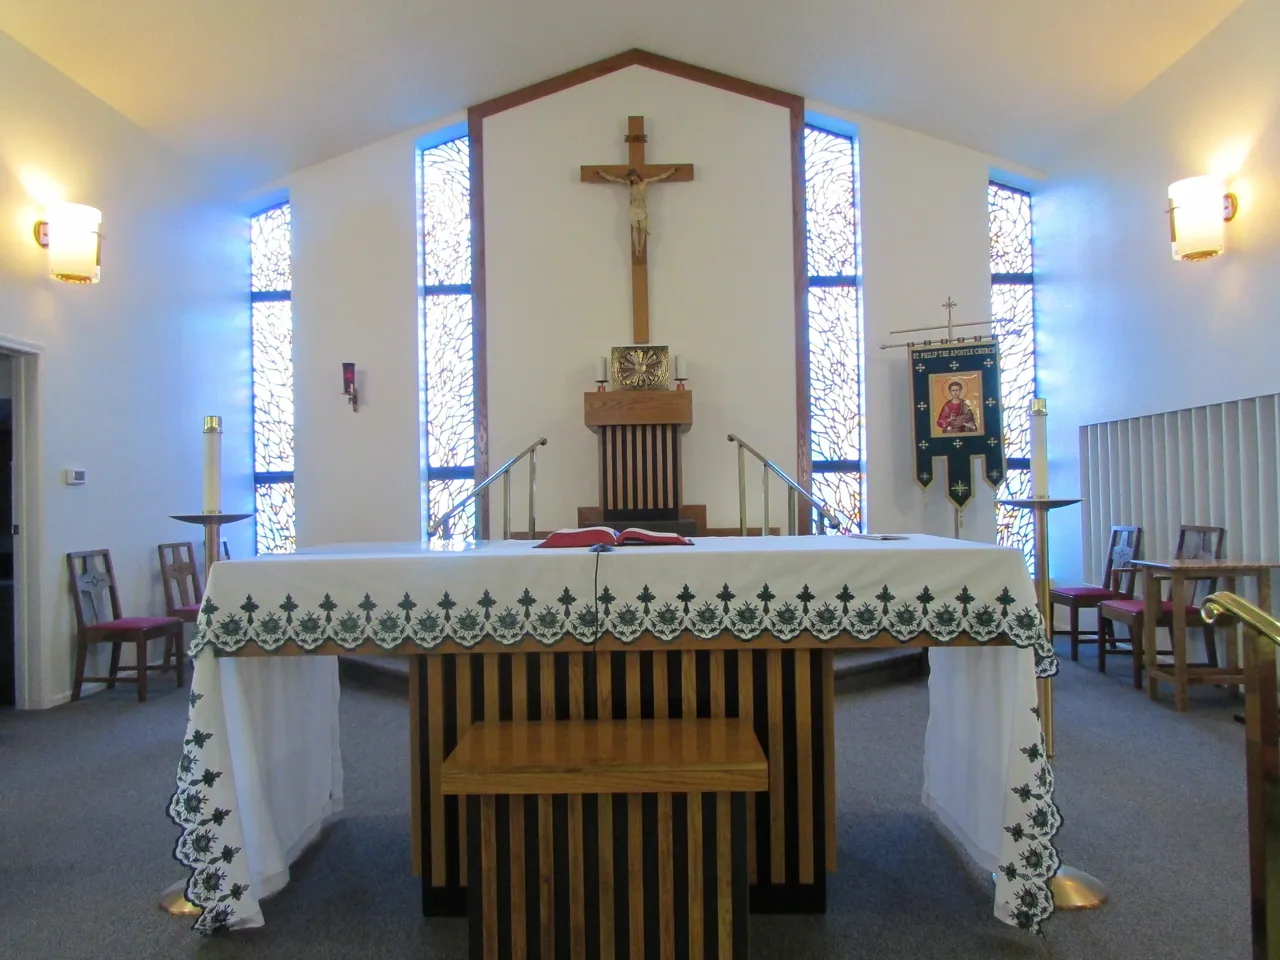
[(722, 288), (128, 366), (355, 298), (925, 237), (1124, 329)]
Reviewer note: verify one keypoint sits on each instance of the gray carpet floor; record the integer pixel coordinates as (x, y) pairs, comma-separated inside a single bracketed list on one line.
[(1154, 805)]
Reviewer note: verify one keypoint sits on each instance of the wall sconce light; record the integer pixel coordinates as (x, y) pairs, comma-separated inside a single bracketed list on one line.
[(349, 386), (74, 242), (1198, 208)]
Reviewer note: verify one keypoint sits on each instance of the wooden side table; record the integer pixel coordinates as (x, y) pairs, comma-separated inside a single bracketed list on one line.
[(1178, 572)]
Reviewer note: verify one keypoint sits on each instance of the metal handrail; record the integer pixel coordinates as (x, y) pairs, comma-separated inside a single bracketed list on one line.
[(1262, 762), (504, 471), (1222, 602), (794, 491)]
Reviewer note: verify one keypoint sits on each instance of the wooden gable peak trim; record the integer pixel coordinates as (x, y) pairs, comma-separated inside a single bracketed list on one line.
[(636, 58)]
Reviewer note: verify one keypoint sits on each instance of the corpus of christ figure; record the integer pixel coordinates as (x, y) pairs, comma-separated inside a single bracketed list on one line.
[(638, 206), (636, 176)]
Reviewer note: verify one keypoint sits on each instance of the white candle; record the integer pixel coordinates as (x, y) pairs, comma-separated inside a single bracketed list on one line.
[(1039, 449), (602, 373), (212, 464), (679, 367)]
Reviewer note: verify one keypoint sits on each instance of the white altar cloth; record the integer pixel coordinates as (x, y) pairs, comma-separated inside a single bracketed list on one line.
[(261, 771)]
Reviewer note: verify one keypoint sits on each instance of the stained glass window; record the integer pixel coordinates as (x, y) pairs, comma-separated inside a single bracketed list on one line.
[(447, 360), (1013, 322), (270, 292), (835, 321)]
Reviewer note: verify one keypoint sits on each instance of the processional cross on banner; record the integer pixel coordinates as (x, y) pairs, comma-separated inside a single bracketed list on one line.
[(636, 176)]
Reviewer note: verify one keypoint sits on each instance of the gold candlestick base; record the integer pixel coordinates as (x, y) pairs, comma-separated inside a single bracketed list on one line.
[(174, 901), (1074, 889)]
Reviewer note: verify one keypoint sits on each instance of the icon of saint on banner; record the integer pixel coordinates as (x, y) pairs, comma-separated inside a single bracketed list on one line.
[(957, 400)]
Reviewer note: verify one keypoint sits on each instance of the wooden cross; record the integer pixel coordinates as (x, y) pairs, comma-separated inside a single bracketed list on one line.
[(637, 175)]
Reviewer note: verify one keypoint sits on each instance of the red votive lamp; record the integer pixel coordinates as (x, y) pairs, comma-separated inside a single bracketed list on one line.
[(349, 383)]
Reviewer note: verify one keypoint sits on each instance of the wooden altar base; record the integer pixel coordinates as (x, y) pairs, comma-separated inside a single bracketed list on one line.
[(787, 694)]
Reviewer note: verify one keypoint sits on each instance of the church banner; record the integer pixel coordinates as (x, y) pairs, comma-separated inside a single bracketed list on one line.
[(955, 396)]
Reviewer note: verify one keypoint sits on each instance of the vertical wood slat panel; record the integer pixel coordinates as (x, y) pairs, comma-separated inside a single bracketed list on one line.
[(666, 878), (668, 495), (829, 755), (609, 439), (577, 882), (777, 786), (604, 711), (435, 757), (688, 684), (519, 921), (546, 890), (724, 876), (804, 763), (718, 681), (795, 846), (746, 711), (1089, 508), (628, 468), (577, 879), (489, 881), (694, 846), (647, 455), (660, 688), (462, 682), (519, 712), (1217, 465), (635, 857), (491, 706), (416, 668), (635, 844)]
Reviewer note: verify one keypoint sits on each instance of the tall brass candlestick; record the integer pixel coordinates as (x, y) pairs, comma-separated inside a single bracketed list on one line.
[(174, 899), (1072, 889)]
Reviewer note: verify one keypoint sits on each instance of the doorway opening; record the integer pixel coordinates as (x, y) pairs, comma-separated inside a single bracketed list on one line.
[(8, 634)]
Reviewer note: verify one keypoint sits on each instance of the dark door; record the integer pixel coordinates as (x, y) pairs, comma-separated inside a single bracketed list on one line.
[(8, 689)]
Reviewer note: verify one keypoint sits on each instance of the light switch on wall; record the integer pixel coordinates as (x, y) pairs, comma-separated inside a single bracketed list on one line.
[(75, 477)]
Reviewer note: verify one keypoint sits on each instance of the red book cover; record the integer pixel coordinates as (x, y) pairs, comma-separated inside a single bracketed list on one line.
[(632, 536)]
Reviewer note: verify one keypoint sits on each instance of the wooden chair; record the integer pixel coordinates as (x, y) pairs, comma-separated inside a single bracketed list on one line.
[(1123, 547), (98, 620), (181, 579), (1194, 543)]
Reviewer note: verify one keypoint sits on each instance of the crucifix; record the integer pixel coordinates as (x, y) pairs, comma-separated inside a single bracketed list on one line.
[(636, 176)]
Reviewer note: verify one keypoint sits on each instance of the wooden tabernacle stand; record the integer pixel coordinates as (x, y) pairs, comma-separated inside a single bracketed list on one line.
[(640, 480)]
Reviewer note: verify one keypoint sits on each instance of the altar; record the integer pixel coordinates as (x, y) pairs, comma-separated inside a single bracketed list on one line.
[(729, 627)]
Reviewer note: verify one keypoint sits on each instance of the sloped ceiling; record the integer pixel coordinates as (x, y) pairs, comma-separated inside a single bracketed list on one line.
[(258, 88)]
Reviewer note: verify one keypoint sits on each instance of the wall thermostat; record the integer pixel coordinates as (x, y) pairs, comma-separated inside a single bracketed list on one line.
[(75, 478)]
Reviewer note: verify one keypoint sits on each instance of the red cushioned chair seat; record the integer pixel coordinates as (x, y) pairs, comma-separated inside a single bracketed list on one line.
[(1138, 607), (1085, 593), (134, 623)]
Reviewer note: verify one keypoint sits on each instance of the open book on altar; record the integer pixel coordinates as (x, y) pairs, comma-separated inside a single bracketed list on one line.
[(591, 536)]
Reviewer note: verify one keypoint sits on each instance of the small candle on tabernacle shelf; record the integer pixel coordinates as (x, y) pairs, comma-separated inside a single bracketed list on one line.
[(1039, 449), (679, 365), (212, 464), (602, 370)]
